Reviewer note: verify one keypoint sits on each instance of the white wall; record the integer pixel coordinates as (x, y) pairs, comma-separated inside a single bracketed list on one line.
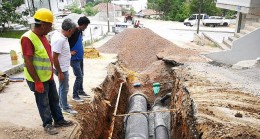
[(62, 5), (54, 6), (137, 5)]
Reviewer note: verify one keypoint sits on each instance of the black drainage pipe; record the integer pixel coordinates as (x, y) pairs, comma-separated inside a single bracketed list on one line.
[(161, 123), (136, 125), (161, 132)]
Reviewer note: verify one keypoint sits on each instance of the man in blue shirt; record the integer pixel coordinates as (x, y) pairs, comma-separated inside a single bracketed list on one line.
[(77, 53)]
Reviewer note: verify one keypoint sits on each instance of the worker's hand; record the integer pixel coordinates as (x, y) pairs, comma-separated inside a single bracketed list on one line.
[(61, 76), (73, 52), (39, 87)]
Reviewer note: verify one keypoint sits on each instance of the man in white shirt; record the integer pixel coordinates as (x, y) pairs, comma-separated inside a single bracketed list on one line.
[(61, 59)]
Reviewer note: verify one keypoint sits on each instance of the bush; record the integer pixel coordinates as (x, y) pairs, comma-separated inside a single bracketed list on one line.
[(90, 11), (74, 8), (12, 34)]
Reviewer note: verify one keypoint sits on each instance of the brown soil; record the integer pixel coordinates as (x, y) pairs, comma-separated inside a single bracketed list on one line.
[(213, 108), (137, 49)]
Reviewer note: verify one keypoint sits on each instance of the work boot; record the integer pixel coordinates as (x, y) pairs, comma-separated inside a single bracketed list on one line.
[(50, 129), (83, 94), (63, 123), (77, 99), (69, 111)]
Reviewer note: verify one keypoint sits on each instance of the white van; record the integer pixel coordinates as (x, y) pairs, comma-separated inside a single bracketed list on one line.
[(193, 19), (119, 27)]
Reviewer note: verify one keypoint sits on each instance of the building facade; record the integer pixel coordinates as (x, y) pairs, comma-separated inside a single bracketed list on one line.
[(137, 5), (54, 5)]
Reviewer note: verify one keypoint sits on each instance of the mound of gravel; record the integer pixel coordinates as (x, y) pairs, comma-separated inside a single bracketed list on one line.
[(138, 48)]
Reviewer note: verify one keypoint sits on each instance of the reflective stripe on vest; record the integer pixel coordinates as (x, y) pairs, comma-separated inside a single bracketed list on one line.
[(41, 61)]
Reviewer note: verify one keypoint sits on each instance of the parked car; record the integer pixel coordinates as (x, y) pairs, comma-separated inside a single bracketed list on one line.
[(119, 27), (139, 14), (213, 21), (18, 27), (193, 19)]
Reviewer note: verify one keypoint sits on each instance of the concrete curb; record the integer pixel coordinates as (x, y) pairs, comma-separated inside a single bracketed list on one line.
[(16, 69)]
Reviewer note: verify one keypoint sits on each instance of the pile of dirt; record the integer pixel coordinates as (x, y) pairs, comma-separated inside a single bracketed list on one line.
[(91, 53), (139, 48)]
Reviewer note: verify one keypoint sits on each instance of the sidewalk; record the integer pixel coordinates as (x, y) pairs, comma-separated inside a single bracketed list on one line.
[(6, 45)]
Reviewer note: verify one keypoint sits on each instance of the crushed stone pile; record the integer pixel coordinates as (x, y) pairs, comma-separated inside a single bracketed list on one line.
[(139, 48)]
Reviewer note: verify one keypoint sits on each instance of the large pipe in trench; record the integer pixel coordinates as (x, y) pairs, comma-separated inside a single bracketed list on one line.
[(160, 128), (161, 119), (136, 125)]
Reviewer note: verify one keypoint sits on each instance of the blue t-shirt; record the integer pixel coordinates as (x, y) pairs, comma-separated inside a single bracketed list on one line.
[(76, 44)]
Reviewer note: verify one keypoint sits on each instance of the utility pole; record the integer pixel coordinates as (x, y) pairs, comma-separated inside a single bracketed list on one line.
[(49, 4), (198, 25), (114, 9), (108, 27), (33, 7)]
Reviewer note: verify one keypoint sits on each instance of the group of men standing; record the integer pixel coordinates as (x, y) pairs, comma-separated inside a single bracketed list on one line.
[(40, 57)]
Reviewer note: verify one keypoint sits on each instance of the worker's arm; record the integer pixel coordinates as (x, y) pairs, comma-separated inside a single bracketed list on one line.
[(73, 52), (28, 61), (57, 65)]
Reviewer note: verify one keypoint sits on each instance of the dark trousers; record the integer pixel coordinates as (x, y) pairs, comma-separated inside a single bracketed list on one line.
[(77, 66), (47, 102)]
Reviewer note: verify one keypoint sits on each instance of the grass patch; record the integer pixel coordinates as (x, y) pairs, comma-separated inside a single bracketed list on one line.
[(12, 34)]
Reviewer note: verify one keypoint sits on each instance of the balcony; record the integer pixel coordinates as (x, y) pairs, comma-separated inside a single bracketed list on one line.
[(243, 6)]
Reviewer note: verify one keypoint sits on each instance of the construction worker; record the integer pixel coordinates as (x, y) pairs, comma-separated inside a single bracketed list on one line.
[(61, 58), (137, 24), (77, 53), (38, 71)]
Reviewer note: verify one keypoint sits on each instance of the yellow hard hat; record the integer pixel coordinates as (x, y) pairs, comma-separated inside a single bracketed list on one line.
[(44, 15)]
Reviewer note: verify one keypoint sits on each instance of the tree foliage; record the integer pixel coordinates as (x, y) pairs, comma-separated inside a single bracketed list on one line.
[(74, 8), (178, 10), (207, 6), (8, 14), (15, 3), (88, 9)]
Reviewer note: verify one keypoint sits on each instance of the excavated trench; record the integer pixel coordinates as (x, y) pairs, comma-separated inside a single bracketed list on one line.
[(138, 117), (193, 101), (143, 81)]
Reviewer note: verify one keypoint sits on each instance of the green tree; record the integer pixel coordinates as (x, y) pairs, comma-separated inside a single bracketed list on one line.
[(74, 8), (170, 9), (88, 9), (8, 15), (178, 10), (207, 6), (183, 12), (15, 3)]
